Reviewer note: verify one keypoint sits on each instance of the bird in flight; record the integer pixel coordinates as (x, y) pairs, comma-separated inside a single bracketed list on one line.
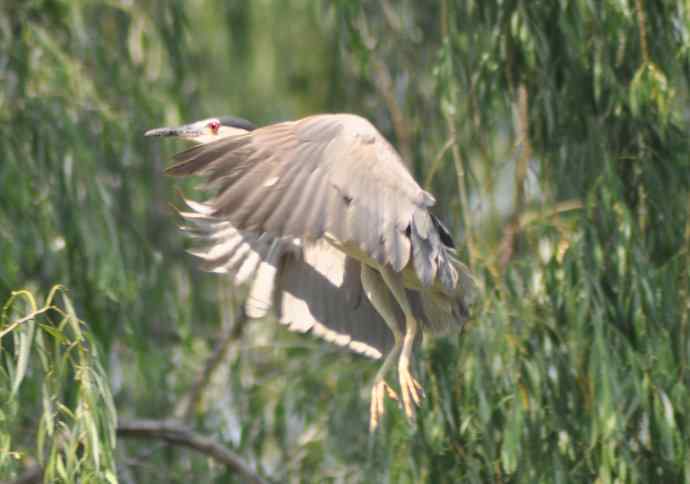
[(327, 227)]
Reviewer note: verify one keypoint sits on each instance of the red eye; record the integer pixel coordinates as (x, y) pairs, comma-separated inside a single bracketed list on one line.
[(214, 126)]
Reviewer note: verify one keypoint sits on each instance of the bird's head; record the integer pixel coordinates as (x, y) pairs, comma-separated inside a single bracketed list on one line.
[(206, 130)]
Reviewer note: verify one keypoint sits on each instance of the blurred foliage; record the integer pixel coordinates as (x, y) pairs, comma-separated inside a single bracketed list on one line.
[(555, 136)]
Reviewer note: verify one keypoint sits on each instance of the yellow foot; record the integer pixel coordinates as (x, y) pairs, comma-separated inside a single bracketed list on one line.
[(376, 409), (411, 391)]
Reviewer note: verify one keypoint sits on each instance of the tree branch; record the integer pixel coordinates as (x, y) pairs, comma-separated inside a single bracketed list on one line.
[(384, 84), (642, 21), (176, 434), (458, 160), (231, 333), (510, 232), (521, 220), (172, 433)]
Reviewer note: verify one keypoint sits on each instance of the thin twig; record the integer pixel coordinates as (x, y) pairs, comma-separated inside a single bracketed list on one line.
[(527, 218), (684, 290), (642, 22), (392, 18), (34, 309), (520, 221), (453, 135), (384, 84), (26, 318), (521, 113), (231, 333), (177, 434), (522, 128), (435, 165)]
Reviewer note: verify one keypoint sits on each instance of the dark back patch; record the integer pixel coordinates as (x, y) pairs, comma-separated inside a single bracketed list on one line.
[(234, 122)]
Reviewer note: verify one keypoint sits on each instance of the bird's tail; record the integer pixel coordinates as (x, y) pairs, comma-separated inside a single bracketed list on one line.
[(466, 290), (449, 289), (442, 311)]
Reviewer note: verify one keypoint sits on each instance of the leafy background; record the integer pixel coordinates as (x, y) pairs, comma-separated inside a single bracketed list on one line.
[(555, 136)]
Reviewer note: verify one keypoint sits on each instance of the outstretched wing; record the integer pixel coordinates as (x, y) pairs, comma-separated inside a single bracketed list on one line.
[(312, 287), (319, 290), (322, 176)]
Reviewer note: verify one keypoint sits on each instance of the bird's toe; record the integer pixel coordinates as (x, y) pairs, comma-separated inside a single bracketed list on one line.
[(378, 396), (412, 392)]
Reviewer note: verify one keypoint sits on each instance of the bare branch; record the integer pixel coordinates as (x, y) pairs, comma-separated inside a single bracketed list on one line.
[(642, 21), (520, 221), (521, 108), (384, 84), (684, 290), (172, 433), (177, 434), (436, 163), (231, 333), (458, 160), (511, 230)]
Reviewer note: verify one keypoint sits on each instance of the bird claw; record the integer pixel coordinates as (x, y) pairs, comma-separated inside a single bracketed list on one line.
[(390, 392), (376, 409), (412, 392)]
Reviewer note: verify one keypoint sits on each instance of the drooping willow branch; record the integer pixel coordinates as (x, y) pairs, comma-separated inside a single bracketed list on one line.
[(232, 332)]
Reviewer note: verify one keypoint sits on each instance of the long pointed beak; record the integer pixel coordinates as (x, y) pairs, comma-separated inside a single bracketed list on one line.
[(186, 131)]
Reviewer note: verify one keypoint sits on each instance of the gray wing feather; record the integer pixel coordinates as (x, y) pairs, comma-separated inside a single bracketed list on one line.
[(304, 178), (314, 287), (320, 290), (260, 298), (227, 250)]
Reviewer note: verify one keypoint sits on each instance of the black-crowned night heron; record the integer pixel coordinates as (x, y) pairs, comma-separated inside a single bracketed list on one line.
[(324, 222)]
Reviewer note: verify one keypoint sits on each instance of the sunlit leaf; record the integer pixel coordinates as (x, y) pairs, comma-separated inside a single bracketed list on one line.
[(25, 336)]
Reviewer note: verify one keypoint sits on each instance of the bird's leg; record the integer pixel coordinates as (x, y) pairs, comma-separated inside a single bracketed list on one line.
[(380, 388), (410, 389), (377, 291)]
